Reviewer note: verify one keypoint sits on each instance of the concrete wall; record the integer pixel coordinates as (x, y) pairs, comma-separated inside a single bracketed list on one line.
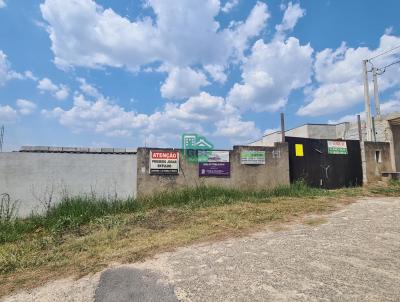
[(396, 146), (268, 140), (341, 130), (31, 177), (275, 172), (301, 131), (322, 131), (374, 168), (351, 132), (325, 131)]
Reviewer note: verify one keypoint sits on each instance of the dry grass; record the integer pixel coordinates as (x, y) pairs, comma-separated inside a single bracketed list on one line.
[(46, 249), (315, 221), (133, 237)]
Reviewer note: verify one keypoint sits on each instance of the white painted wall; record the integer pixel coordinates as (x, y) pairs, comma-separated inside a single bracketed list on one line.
[(268, 140), (29, 177), (301, 131)]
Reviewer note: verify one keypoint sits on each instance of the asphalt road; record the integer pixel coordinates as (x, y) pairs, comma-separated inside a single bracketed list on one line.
[(354, 256), (127, 284)]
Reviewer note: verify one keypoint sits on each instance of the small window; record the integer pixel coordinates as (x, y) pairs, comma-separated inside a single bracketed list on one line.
[(378, 156)]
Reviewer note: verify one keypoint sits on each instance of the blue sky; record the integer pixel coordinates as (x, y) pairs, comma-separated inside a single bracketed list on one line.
[(132, 73)]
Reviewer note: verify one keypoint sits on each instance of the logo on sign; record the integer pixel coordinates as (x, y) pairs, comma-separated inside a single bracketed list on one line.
[(192, 143)]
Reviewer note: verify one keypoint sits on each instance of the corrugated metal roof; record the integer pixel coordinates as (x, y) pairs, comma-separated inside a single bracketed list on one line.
[(80, 150)]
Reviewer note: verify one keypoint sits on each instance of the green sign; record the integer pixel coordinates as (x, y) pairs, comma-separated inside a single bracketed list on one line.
[(252, 157)]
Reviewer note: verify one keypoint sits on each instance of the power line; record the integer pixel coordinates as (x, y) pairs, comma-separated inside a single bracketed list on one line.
[(383, 53), (390, 64), (381, 69)]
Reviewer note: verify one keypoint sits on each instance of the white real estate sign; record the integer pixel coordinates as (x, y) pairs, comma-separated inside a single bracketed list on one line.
[(337, 147), (164, 162), (212, 156)]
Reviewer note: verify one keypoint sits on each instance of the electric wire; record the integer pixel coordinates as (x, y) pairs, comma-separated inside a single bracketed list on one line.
[(391, 64), (383, 53), (381, 70)]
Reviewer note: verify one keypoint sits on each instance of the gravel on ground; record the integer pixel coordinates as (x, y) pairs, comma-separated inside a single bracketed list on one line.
[(353, 256)]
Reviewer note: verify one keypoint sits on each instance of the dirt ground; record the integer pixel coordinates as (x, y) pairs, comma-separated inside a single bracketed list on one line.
[(349, 255)]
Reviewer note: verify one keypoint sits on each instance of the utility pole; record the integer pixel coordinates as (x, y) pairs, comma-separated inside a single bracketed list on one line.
[(373, 129), (376, 93), (360, 137), (283, 127), (1, 138), (367, 101)]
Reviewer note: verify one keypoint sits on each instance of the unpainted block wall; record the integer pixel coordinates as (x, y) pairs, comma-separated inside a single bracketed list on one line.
[(33, 177), (374, 168), (396, 146), (275, 172)]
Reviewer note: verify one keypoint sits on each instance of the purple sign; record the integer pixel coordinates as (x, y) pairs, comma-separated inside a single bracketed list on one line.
[(215, 169)]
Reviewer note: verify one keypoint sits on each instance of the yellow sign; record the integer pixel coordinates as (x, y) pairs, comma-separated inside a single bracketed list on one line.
[(299, 150)]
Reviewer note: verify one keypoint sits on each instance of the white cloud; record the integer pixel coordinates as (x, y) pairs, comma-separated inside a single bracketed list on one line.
[(182, 83), (203, 113), (242, 31), (347, 118), (2, 4), (229, 5), (271, 130), (8, 114), (331, 98), (389, 30), (216, 72), (88, 89), (6, 73), (183, 33), (273, 70), (29, 75), (390, 106), (338, 74), (25, 107), (271, 73), (84, 34), (98, 116), (47, 85), (60, 92), (201, 108), (4, 68), (239, 131), (291, 16)]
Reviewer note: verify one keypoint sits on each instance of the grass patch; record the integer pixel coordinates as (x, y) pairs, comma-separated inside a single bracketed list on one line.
[(84, 234), (73, 213), (315, 221), (390, 189)]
